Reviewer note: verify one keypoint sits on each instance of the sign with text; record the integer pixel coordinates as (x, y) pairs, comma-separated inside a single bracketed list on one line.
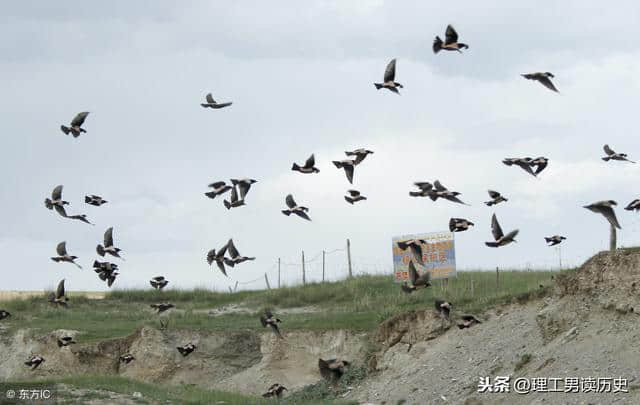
[(438, 255)]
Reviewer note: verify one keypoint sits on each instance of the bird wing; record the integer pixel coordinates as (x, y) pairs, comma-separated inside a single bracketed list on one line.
[(276, 330), (60, 210), (416, 250), (390, 72), (325, 371), (413, 274), (233, 252), (495, 228), (244, 189), (424, 278), (424, 185), (353, 193), (263, 320), (291, 203), (210, 99), (310, 162), (610, 215), (526, 167), (60, 289), (512, 234), (348, 169), (493, 194), (546, 82), (438, 186), (62, 249), (56, 194), (108, 237), (78, 120), (217, 184), (541, 166), (608, 150), (234, 194), (302, 214), (455, 199), (450, 36), (210, 256)]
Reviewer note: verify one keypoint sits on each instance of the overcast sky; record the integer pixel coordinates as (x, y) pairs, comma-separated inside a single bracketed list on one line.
[(300, 75)]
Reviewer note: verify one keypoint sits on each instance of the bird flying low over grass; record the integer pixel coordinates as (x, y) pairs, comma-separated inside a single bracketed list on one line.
[(4, 314), (468, 321), (354, 196), (416, 248), (65, 341), (158, 282), (417, 281), (543, 78), (611, 155), (268, 319), (309, 166), (443, 308), (360, 155), (59, 297), (236, 257), (63, 256), (496, 198), (294, 208), (554, 240), (218, 257), (75, 128), (186, 349), (127, 358), (332, 369), (276, 390), (34, 361), (389, 82), (211, 103), (450, 41), (161, 307), (606, 209), (500, 238)]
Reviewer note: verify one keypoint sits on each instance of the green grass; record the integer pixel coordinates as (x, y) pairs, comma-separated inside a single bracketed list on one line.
[(360, 304)]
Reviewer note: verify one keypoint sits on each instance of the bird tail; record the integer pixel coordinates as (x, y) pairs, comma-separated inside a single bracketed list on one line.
[(48, 203), (87, 199), (227, 204), (286, 212), (437, 45), (491, 244), (338, 164), (378, 85), (295, 167), (606, 159), (547, 239), (452, 225), (490, 203), (205, 105), (100, 250), (56, 259), (77, 265), (414, 193), (349, 199), (211, 194), (64, 129)]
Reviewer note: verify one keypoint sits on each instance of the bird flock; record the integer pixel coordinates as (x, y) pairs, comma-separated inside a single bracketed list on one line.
[(229, 256)]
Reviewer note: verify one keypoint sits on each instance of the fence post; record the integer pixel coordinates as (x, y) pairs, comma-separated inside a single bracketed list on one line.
[(304, 277), (472, 291), (266, 279), (278, 272), (612, 239), (236, 286), (349, 257), (230, 290), (497, 278), (323, 253)]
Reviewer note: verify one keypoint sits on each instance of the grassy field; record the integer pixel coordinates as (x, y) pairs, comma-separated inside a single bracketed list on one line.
[(110, 389), (360, 304)]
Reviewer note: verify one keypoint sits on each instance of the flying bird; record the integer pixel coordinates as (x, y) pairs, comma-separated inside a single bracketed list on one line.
[(354, 196), (127, 358), (360, 154), (442, 192), (94, 200), (163, 306), (332, 369), (267, 319), (243, 185), (426, 190), (417, 281), (275, 390), (496, 198), (34, 361), (450, 41), (523, 163), (80, 217), (554, 240), (605, 208), (416, 248), (633, 205), (543, 78), (468, 321), (443, 307), (236, 257), (104, 266), (108, 245), (211, 103), (107, 275), (309, 166), (4, 314), (459, 224), (65, 341), (611, 155), (348, 165), (295, 208), (63, 256), (186, 349), (159, 282), (540, 163), (59, 296), (500, 238), (389, 78), (76, 125), (219, 188), (56, 202), (218, 257), (234, 201)]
